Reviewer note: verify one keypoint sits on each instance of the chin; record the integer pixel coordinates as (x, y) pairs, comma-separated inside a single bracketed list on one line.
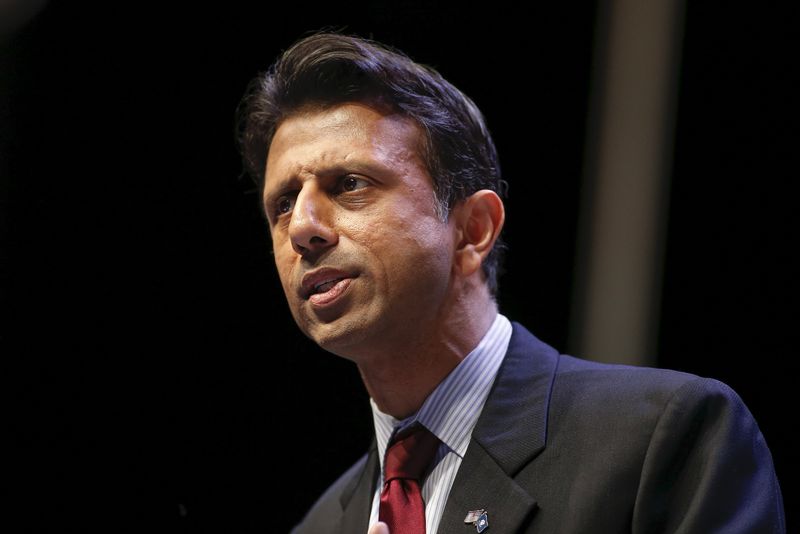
[(347, 339)]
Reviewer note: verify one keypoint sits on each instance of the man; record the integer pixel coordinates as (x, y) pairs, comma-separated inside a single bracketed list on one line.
[(382, 191)]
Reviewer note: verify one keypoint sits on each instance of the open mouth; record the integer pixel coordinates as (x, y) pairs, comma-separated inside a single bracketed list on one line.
[(324, 287), (328, 291)]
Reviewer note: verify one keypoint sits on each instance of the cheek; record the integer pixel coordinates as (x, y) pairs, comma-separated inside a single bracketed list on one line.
[(283, 264), (409, 250)]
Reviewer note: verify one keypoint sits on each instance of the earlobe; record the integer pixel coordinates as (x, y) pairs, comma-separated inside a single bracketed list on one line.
[(480, 218)]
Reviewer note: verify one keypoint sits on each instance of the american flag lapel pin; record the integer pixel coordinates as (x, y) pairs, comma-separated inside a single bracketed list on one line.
[(479, 518)]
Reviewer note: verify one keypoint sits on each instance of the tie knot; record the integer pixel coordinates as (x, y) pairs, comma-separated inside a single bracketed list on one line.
[(410, 454)]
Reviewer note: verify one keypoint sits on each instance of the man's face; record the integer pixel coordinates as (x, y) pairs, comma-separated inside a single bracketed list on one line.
[(364, 260)]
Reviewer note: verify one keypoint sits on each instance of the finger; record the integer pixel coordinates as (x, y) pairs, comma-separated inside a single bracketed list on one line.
[(379, 528)]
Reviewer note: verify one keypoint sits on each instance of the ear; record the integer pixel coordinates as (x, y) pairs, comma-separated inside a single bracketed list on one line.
[(480, 218)]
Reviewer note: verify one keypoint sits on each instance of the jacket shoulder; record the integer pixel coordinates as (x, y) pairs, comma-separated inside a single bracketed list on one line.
[(326, 513), (625, 378), (642, 391)]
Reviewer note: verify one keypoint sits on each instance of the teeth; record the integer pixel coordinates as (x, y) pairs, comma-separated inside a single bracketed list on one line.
[(325, 286)]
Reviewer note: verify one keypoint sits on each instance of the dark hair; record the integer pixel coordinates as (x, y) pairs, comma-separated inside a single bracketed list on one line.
[(329, 68)]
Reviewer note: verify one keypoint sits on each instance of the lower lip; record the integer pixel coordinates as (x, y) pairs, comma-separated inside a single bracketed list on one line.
[(323, 299)]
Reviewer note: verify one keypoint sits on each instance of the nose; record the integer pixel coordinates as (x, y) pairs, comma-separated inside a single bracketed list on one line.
[(310, 227)]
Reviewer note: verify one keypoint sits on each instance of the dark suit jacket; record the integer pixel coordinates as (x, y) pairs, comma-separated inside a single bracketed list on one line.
[(570, 446)]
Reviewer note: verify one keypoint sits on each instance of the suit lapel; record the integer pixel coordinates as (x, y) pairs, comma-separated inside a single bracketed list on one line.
[(356, 498), (510, 432), (481, 483)]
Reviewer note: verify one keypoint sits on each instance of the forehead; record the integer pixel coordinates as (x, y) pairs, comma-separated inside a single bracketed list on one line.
[(312, 137)]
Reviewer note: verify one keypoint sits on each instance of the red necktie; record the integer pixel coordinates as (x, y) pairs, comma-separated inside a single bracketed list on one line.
[(401, 499)]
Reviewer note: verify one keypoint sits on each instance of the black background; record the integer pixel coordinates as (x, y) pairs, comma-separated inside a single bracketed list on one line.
[(158, 379)]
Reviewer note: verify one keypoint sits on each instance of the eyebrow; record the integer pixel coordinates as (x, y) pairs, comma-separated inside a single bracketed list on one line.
[(354, 166)]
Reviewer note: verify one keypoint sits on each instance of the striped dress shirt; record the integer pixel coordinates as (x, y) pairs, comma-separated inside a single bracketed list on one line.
[(450, 412)]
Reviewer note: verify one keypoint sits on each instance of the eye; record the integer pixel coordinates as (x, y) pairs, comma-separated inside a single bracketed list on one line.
[(352, 183), (284, 204)]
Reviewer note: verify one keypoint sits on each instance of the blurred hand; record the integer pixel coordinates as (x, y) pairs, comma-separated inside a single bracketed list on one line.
[(379, 528)]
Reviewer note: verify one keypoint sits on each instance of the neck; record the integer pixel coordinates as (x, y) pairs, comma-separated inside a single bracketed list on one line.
[(400, 380)]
